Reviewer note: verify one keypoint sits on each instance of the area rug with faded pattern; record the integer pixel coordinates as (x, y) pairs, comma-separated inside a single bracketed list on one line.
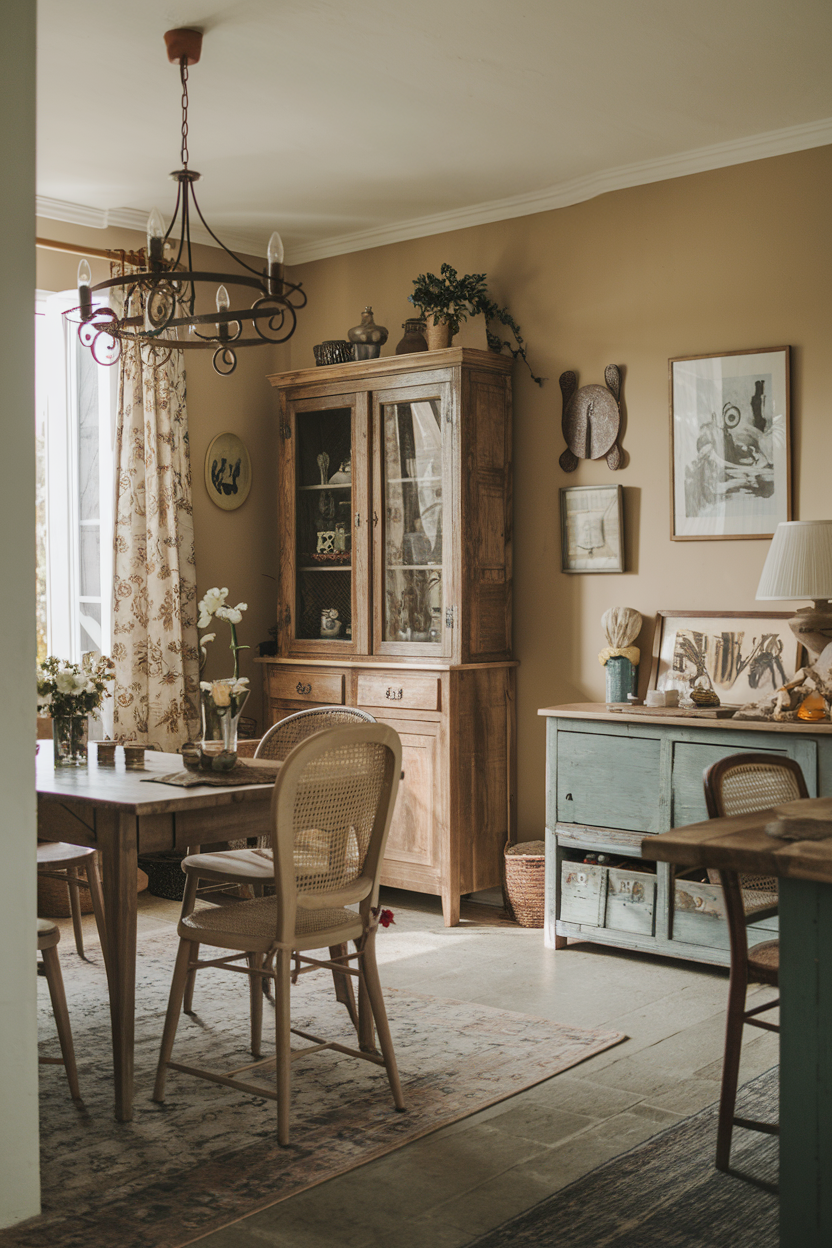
[(209, 1156), (666, 1193)]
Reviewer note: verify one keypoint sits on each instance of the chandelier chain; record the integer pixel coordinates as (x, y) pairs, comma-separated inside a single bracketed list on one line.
[(183, 74)]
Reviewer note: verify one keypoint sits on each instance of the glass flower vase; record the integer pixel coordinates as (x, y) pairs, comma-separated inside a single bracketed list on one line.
[(69, 740), (222, 705)]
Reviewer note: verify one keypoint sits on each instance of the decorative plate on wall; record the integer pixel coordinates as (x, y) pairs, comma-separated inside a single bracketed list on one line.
[(228, 471)]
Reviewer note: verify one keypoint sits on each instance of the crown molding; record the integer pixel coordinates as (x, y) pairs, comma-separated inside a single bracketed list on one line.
[(576, 191), (133, 219), (562, 195)]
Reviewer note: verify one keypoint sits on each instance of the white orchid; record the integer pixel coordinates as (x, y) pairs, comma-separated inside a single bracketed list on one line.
[(213, 605)]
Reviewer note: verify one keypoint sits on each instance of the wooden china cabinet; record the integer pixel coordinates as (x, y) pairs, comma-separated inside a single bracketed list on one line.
[(394, 595)]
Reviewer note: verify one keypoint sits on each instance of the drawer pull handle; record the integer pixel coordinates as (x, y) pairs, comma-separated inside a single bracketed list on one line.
[(301, 688), (568, 798), (395, 695)]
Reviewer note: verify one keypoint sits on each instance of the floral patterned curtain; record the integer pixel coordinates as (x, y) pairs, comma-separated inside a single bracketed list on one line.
[(155, 648)]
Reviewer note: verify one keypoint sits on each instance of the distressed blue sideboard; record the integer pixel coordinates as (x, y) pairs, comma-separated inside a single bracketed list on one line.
[(611, 779)]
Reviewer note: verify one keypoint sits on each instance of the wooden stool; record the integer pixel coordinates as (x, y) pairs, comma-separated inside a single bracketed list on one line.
[(48, 937), (59, 861)]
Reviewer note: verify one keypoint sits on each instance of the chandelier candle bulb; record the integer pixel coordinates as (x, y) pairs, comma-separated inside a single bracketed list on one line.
[(274, 258), (155, 239), (84, 293)]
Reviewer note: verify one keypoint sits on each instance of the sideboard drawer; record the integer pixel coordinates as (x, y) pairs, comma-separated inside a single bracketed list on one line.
[(608, 782), (307, 686), (413, 693)]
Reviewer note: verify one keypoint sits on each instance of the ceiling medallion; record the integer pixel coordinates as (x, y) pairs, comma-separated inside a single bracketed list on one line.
[(167, 289)]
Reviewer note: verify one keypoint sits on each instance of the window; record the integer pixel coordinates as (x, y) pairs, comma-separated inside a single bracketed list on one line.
[(74, 414)]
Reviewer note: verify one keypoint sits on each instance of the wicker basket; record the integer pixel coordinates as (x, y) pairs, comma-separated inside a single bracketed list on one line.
[(525, 866), (53, 899)]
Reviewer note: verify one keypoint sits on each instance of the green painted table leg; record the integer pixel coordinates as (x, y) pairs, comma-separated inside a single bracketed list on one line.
[(805, 1064)]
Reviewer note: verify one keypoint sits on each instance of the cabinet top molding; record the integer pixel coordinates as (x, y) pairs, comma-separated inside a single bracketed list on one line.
[(364, 371), (598, 711)]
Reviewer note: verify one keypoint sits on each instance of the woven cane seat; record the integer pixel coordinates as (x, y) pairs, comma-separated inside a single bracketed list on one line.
[(765, 958), (258, 917)]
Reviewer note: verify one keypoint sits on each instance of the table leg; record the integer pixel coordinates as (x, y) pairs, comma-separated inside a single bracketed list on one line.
[(118, 841), (805, 1064)]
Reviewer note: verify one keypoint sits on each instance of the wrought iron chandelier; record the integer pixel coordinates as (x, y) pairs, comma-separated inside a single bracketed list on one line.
[(160, 301)]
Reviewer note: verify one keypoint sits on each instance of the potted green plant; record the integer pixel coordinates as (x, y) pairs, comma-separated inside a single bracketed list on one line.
[(447, 300)]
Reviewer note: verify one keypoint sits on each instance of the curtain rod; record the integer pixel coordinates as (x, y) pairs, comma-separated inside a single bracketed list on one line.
[(73, 249)]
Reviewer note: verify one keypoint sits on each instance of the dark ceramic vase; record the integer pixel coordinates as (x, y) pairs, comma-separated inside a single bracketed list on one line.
[(414, 337)]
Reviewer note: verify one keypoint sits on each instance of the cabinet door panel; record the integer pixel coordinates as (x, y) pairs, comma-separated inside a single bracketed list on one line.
[(610, 782), (324, 563), (689, 762), (414, 845), (413, 520)]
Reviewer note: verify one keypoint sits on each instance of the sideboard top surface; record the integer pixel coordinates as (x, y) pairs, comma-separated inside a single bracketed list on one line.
[(599, 711)]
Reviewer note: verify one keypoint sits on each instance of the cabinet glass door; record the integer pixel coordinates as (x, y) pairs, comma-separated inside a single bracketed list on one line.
[(414, 478), (324, 525)]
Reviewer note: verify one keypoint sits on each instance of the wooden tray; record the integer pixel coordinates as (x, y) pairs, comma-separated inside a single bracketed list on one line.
[(676, 712)]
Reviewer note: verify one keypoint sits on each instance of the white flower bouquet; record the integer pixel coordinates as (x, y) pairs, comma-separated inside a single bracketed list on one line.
[(222, 700)]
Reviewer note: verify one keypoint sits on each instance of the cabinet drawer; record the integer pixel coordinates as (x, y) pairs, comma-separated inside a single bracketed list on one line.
[(415, 693), (306, 686), (583, 893), (608, 782)]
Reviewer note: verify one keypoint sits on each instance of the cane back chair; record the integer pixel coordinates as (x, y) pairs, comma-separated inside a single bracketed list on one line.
[(738, 785), (252, 868), (331, 811)]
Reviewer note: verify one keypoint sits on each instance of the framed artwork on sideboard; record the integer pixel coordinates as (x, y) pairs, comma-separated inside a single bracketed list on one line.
[(743, 656), (729, 444)]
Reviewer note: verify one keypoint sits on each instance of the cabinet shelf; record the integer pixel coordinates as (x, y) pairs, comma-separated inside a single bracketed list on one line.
[(339, 485), (318, 567), (412, 480), (414, 567)]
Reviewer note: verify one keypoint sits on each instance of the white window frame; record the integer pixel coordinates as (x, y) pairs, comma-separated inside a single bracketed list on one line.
[(57, 398)]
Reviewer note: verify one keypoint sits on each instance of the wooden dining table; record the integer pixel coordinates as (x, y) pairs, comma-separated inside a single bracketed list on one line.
[(804, 871), (124, 813)]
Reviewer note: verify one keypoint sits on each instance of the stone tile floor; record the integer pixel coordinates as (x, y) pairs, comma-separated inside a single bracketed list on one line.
[(446, 1189)]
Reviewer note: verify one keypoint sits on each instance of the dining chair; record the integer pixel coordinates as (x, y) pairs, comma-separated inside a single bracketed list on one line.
[(77, 867), (48, 937), (738, 785), (330, 816), (252, 867)]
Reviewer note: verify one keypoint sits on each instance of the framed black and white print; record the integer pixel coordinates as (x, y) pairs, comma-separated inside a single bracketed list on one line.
[(592, 528), (729, 439), (742, 655)]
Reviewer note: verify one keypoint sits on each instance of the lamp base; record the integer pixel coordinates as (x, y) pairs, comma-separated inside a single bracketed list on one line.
[(813, 627)]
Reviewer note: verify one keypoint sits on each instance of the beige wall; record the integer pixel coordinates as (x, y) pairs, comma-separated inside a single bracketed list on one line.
[(729, 260), (236, 549), (734, 259)]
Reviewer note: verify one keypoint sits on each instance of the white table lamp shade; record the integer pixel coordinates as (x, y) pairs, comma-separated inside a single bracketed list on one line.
[(799, 562)]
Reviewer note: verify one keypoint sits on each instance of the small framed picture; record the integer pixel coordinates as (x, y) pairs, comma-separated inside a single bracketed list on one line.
[(592, 528), (744, 656), (228, 471), (729, 440)]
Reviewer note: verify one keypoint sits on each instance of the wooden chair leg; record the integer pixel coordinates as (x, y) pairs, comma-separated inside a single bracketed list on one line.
[(73, 888), (730, 1069), (97, 899), (369, 975), (255, 961), (343, 984), (188, 903), (54, 978), (366, 1027), (188, 999), (282, 1041), (177, 991)]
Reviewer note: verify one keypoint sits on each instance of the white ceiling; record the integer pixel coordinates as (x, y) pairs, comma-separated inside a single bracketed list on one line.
[(346, 123)]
